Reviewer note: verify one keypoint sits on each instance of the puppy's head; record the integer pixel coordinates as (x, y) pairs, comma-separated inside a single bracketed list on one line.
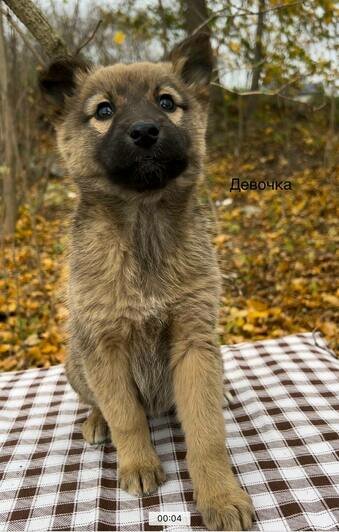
[(135, 128)]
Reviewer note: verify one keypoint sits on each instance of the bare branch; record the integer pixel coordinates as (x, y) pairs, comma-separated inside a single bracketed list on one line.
[(277, 92), (34, 20), (23, 36), (90, 38), (244, 13)]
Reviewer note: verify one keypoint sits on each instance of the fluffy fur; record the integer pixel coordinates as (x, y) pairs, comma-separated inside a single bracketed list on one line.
[(144, 282)]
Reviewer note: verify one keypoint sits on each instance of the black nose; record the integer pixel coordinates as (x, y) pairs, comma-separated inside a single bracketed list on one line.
[(144, 134)]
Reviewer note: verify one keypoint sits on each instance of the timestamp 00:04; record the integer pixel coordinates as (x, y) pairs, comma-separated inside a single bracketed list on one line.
[(169, 518)]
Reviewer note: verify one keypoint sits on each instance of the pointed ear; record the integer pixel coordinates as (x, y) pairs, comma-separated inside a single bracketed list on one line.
[(59, 79), (192, 60)]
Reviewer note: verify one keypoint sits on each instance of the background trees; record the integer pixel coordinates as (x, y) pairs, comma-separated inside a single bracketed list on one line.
[(273, 115)]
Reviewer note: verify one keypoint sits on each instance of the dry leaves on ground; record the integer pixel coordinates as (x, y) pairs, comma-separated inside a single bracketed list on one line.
[(277, 251)]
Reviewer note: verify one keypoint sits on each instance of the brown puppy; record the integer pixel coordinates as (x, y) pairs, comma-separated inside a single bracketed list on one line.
[(144, 282)]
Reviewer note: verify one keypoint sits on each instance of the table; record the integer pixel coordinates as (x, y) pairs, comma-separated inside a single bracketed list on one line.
[(282, 427)]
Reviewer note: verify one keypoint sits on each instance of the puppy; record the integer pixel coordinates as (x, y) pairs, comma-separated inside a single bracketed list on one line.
[(144, 280)]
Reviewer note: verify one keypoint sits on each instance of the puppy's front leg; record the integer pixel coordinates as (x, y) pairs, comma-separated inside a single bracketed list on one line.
[(197, 374), (109, 377)]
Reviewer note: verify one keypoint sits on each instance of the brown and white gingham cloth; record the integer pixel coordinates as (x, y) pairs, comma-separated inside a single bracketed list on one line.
[(282, 428)]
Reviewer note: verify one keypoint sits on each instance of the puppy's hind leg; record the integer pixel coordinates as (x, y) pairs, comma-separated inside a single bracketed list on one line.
[(95, 429), (76, 375)]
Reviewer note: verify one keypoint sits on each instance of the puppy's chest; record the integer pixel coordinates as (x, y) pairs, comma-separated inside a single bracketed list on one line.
[(150, 365), (139, 303), (116, 282)]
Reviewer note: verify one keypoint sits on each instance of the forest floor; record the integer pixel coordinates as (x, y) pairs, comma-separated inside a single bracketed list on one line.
[(277, 252)]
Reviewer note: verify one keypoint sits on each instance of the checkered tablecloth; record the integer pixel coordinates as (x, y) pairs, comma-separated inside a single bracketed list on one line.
[(282, 433)]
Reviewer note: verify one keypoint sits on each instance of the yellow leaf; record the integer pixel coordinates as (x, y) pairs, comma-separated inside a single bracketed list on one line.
[(32, 339), (247, 167), (34, 352), (254, 314), (48, 263), (275, 311), (48, 348), (6, 335), (298, 284), (119, 38), (234, 46), (257, 305), (332, 300), (4, 348), (8, 364), (276, 333), (11, 307), (220, 240), (60, 356), (239, 261), (238, 313), (32, 305)]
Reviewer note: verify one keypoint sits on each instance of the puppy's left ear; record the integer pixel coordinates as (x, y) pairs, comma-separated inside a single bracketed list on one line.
[(192, 60), (58, 81)]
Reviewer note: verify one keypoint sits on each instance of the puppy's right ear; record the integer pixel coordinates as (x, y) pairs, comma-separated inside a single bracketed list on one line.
[(59, 80)]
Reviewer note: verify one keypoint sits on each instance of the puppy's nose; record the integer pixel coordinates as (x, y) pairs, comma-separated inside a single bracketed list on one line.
[(144, 134)]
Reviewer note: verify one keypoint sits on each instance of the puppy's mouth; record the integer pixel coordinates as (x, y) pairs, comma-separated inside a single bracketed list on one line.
[(147, 172)]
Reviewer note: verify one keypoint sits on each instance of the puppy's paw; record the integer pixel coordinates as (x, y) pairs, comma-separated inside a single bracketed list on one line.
[(228, 398), (231, 510), (142, 480), (95, 429)]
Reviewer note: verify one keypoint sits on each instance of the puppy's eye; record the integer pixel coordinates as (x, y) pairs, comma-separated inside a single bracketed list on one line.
[(104, 111), (167, 103)]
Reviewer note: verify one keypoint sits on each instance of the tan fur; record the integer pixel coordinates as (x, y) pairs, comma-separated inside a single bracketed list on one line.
[(100, 127), (143, 298)]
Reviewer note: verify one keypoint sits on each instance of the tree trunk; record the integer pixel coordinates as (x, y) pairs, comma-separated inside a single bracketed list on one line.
[(31, 16), (164, 35), (330, 157), (7, 126), (53, 46), (258, 47), (195, 14), (257, 61)]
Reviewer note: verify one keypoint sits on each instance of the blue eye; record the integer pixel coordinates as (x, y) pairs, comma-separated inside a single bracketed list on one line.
[(104, 111), (167, 103)]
